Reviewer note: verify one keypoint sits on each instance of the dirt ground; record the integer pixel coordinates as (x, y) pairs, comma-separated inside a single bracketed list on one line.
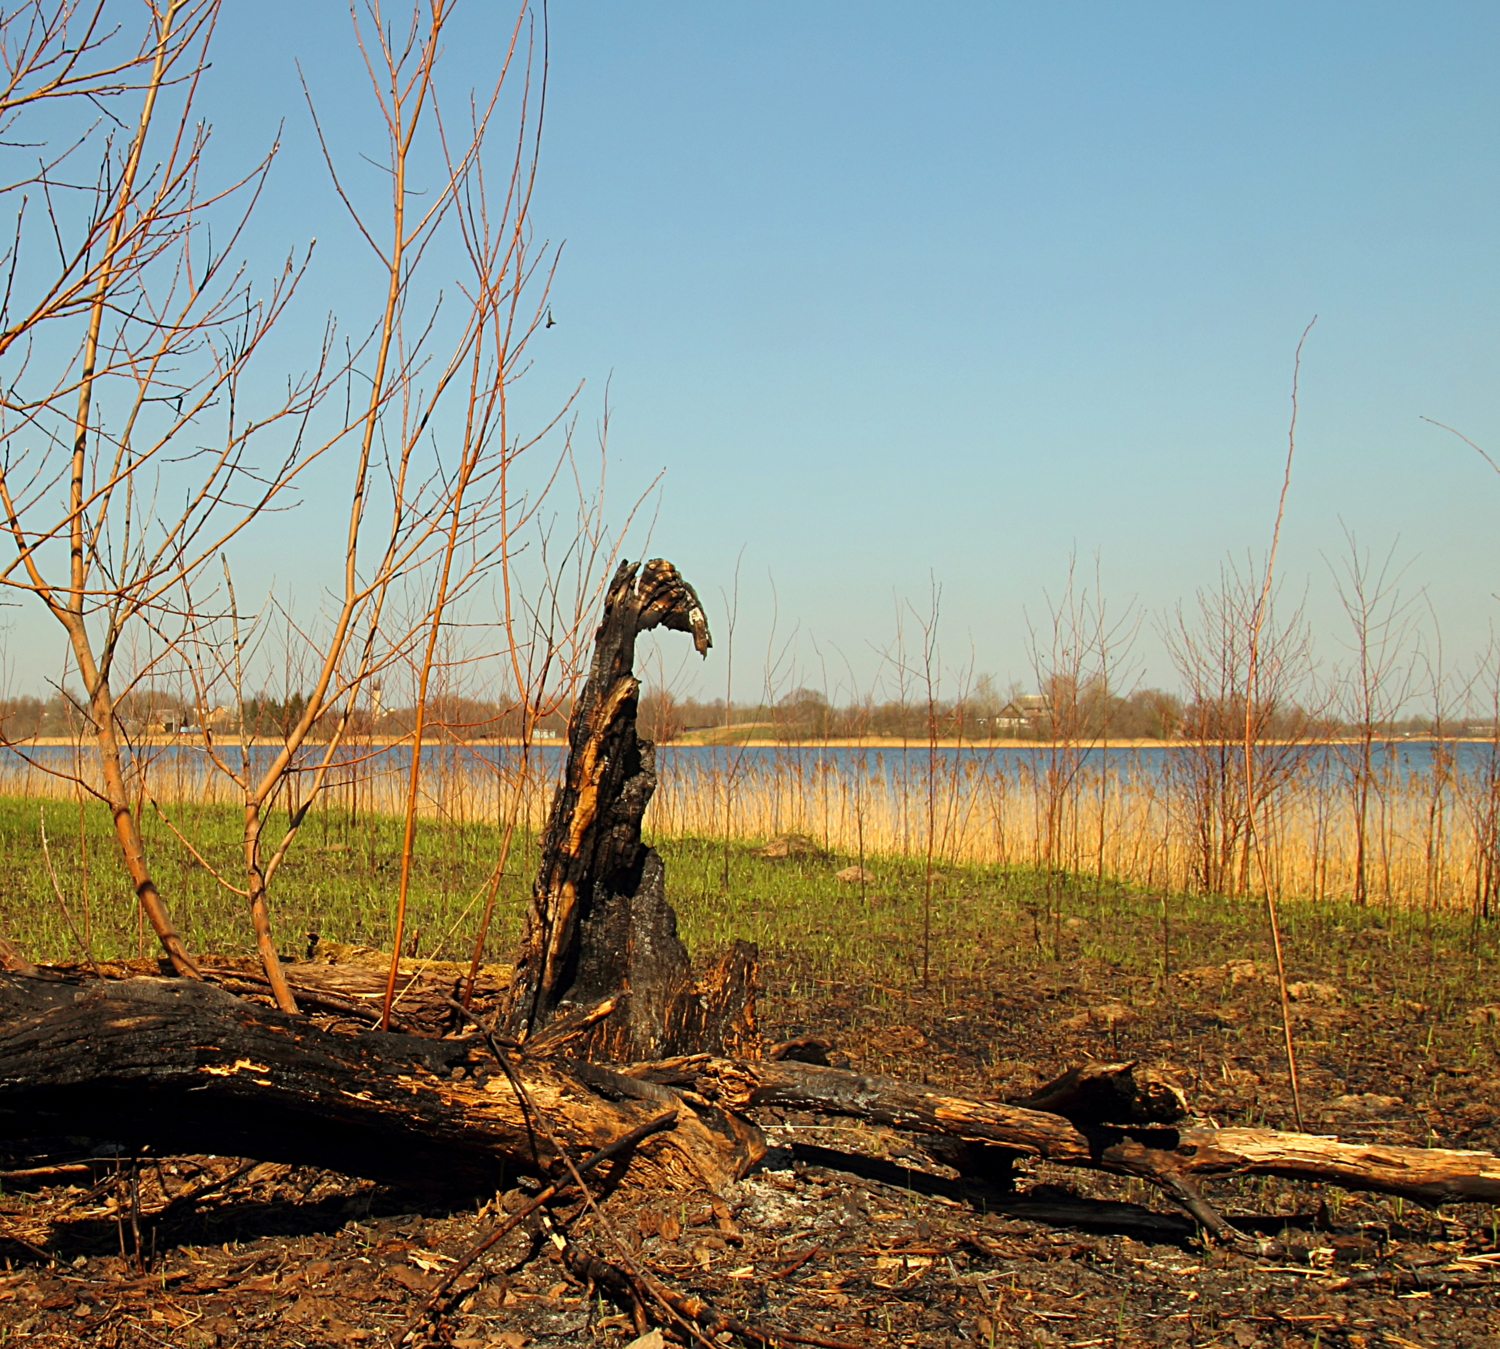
[(856, 1235)]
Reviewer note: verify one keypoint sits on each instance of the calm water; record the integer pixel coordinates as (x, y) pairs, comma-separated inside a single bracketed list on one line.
[(681, 764)]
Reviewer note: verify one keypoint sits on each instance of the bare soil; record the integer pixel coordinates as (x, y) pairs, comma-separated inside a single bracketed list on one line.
[(854, 1234)]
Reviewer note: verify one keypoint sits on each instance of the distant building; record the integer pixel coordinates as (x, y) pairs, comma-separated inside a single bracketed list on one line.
[(1022, 713)]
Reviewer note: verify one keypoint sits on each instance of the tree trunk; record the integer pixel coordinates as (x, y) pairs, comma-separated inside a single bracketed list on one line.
[(114, 1067), (600, 949)]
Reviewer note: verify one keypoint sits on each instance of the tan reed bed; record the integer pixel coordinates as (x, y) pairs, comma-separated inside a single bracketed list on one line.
[(1431, 836)]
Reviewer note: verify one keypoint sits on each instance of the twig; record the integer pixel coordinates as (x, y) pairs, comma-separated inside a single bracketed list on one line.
[(186, 1200), (586, 1265), (1414, 1278), (623, 1143), (796, 1264)]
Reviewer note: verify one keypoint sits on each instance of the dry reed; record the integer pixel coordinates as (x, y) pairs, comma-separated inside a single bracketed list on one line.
[(1148, 816)]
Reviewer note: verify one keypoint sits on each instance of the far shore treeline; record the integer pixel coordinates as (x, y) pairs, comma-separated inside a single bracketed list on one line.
[(1090, 712)]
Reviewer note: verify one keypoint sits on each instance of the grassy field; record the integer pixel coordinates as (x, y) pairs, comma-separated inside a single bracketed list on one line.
[(985, 921)]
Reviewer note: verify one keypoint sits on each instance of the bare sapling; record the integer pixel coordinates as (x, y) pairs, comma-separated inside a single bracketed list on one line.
[(1377, 685), (1253, 672), (1440, 772), (127, 332), (428, 517), (1080, 667)]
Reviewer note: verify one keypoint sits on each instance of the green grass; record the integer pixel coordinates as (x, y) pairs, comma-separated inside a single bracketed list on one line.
[(341, 880), (987, 919)]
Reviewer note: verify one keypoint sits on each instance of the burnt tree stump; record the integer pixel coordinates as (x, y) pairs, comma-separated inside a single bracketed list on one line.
[(601, 966)]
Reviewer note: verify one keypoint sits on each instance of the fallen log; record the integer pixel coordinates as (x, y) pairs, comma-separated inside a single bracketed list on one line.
[(176, 1066), (1176, 1157)]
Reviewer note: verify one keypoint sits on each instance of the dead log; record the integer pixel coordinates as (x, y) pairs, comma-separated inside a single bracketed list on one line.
[(177, 1066), (1176, 1158), (598, 928)]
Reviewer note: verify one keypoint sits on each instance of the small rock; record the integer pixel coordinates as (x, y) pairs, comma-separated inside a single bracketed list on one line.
[(1077, 924), (1310, 991), (790, 845), (853, 875)]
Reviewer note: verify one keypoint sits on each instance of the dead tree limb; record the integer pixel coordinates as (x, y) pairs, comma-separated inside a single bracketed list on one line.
[(599, 928), (176, 1066), (1175, 1157)]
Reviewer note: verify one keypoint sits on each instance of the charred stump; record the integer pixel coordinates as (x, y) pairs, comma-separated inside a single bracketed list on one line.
[(601, 963)]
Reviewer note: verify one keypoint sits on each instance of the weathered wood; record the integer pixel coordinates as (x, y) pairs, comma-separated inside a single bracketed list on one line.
[(178, 1066), (355, 988), (1168, 1156), (181, 1066), (1109, 1093), (598, 927)]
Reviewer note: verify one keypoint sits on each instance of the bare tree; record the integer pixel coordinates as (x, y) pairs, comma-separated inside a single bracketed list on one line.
[(126, 333)]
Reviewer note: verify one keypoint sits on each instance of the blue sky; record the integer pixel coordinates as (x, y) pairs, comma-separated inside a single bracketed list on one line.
[(892, 293)]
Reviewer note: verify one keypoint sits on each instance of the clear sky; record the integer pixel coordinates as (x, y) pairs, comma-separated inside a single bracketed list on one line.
[(892, 293)]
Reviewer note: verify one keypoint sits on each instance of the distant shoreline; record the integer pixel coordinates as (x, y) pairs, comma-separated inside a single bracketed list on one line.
[(688, 742), (1143, 742)]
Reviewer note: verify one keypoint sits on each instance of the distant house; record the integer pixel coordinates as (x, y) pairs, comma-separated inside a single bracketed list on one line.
[(186, 723), (1022, 713)]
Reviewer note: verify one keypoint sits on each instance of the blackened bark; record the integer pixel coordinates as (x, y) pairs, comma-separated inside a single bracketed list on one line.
[(600, 935), (176, 1066)]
